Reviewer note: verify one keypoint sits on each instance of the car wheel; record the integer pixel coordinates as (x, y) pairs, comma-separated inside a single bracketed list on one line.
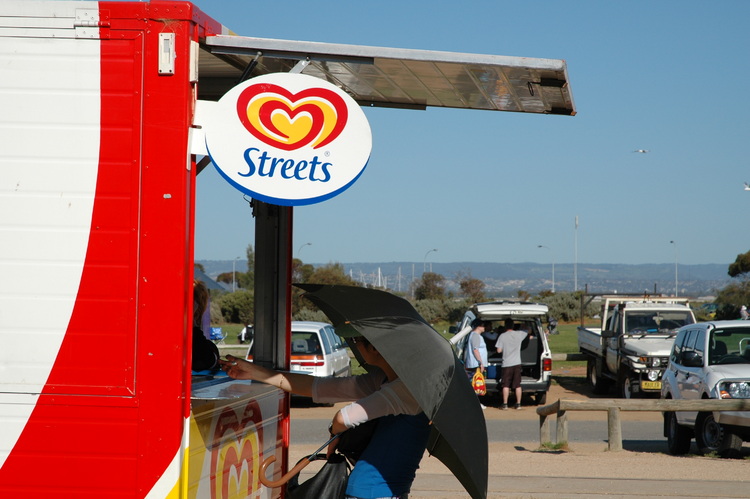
[(598, 385), (624, 387), (713, 437), (678, 436), (540, 398)]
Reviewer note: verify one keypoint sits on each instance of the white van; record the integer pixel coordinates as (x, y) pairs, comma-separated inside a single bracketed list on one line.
[(536, 358)]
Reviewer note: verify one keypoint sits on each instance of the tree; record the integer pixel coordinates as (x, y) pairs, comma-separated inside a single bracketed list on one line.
[(566, 306), (301, 272), (741, 265), (237, 307), (225, 277), (430, 287), (332, 273), (471, 287), (735, 294), (246, 280)]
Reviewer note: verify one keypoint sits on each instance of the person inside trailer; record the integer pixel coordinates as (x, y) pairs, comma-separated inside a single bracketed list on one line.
[(205, 352)]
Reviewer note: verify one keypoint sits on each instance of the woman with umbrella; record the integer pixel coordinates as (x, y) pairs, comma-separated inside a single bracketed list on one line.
[(387, 466)]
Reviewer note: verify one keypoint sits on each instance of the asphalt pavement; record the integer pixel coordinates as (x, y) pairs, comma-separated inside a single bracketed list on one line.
[(518, 468), (311, 431)]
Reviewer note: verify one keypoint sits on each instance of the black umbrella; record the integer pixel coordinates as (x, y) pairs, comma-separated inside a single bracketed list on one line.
[(427, 365)]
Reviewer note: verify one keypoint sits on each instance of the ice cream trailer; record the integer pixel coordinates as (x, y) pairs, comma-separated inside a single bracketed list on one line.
[(110, 110)]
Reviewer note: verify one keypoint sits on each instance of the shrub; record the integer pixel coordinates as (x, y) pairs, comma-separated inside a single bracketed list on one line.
[(307, 314), (566, 307), (237, 307)]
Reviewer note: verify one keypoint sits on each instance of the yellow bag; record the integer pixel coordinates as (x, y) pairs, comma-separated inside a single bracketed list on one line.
[(477, 383)]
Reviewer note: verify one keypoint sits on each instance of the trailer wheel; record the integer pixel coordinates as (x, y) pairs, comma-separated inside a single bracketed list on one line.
[(713, 437), (678, 436), (598, 384)]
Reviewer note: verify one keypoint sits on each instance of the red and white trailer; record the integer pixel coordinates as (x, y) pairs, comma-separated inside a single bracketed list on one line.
[(97, 202)]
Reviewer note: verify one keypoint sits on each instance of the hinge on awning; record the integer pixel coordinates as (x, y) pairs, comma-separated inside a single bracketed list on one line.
[(88, 23)]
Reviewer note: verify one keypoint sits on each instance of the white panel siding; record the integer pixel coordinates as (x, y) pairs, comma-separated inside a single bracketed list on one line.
[(50, 97)]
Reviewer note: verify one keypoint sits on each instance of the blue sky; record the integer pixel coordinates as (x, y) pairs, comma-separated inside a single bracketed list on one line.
[(669, 76)]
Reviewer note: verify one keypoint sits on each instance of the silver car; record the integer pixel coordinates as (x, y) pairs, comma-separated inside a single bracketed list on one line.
[(709, 360)]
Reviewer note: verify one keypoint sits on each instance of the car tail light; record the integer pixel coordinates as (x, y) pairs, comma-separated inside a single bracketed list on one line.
[(307, 361), (546, 365)]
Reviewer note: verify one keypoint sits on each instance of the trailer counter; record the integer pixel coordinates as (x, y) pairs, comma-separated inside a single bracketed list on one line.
[(234, 426)]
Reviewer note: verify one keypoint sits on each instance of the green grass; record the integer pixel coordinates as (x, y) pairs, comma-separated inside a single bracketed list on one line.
[(566, 341), (230, 332), (549, 446)]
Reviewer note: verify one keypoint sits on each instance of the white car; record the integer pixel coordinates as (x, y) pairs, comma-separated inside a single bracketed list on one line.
[(316, 350), (536, 358), (709, 360)]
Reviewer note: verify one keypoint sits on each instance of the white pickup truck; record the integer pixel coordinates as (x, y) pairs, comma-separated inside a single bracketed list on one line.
[(631, 349)]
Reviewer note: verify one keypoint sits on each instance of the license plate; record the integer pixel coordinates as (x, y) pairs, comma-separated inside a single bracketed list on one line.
[(651, 385)]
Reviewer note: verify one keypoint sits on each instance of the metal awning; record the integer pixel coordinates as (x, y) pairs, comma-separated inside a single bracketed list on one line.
[(390, 77)]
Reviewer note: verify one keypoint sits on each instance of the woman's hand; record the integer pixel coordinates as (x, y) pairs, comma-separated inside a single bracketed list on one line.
[(238, 368), (337, 428)]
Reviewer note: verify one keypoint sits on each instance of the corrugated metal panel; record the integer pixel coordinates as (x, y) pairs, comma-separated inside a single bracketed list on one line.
[(382, 76)]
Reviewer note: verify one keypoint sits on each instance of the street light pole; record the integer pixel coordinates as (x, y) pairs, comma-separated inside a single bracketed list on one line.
[(234, 273), (675, 266), (575, 259), (553, 264), (300, 248), (424, 268)]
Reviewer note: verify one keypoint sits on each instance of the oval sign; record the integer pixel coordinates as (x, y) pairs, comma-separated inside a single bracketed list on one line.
[(288, 139)]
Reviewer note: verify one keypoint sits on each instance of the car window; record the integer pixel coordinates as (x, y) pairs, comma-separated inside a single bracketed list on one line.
[(689, 344), (729, 346), (685, 342), (700, 342), (677, 347), (304, 343), (336, 342), (326, 340)]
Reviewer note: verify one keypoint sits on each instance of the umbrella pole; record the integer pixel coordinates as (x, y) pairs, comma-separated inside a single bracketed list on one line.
[(297, 468)]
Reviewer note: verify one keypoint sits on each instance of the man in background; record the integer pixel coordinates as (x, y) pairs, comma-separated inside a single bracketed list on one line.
[(509, 344)]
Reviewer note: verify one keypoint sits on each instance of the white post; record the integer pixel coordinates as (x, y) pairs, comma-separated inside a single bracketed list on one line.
[(424, 267), (675, 266), (575, 259), (552, 254)]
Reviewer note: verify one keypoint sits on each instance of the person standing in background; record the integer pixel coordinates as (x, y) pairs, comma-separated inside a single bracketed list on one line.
[(509, 344)]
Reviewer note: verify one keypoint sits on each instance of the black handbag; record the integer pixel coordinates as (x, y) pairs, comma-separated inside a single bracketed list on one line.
[(353, 441), (328, 483)]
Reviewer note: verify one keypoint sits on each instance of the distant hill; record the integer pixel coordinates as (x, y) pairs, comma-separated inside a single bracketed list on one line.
[(505, 279)]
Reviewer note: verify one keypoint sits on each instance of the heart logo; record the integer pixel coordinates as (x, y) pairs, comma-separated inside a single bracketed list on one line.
[(236, 453), (312, 117)]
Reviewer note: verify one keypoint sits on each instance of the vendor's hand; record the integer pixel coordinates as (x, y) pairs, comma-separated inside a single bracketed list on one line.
[(237, 368)]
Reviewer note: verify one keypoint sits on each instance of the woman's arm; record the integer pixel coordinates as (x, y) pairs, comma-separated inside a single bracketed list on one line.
[(299, 384)]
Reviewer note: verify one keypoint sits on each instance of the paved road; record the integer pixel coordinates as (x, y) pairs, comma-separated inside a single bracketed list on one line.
[(518, 470), (312, 431), (437, 486)]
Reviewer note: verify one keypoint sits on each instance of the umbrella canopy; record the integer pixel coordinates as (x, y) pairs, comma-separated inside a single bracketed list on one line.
[(427, 365)]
